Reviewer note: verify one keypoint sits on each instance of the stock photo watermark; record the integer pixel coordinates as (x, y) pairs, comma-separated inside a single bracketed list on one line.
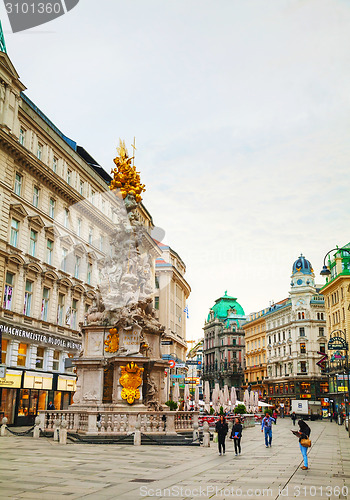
[(209, 491), (24, 15)]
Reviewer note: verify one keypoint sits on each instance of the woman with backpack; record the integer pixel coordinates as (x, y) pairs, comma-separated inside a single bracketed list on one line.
[(236, 435)]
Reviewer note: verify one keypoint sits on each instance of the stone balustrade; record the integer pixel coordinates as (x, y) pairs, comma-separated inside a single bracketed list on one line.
[(92, 422)]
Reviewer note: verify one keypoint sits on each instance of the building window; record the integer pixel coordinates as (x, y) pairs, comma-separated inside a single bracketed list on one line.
[(101, 242), (302, 348), (157, 282), (54, 164), (49, 251), (22, 136), (156, 303), (89, 273), (28, 298), (39, 151), (32, 242), (81, 187), (45, 304), (4, 344), (323, 348), (8, 293), (321, 331), (74, 314), (302, 331), (66, 217), (39, 358), (14, 232), (93, 197), (56, 361), (64, 260), (79, 227), (69, 176), (77, 267), (36, 197), (22, 355), (52, 208), (18, 184), (90, 235), (60, 309), (303, 368)]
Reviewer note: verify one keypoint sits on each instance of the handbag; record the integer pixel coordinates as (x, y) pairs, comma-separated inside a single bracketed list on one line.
[(305, 442), (216, 437)]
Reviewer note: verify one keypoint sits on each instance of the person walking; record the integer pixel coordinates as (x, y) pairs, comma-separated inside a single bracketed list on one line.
[(293, 417), (236, 435), (221, 428), (303, 433), (275, 416), (266, 426)]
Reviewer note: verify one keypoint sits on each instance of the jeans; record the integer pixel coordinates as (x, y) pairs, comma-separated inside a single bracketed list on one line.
[(268, 434), (221, 442), (237, 442), (303, 450)]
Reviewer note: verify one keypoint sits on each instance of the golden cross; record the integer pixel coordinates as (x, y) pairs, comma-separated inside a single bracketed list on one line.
[(133, 153)]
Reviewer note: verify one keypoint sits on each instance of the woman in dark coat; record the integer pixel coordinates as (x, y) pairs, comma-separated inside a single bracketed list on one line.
[(304, 433), (236, 435), (221, 428)]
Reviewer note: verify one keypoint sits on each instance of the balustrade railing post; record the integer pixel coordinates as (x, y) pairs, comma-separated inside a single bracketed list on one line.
[(92, 423), (3, 431)]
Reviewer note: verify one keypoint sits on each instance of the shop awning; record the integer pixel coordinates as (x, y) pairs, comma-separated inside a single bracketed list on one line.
[(13, 379), (37, 380), (66, 383)]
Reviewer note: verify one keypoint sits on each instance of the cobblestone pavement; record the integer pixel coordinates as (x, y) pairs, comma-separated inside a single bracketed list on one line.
[(43, 469)]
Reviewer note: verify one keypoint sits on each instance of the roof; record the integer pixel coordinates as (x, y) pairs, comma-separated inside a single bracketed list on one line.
[(223, 304)]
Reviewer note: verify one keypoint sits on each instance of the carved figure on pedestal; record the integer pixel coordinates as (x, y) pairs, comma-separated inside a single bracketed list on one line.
[(152, 395)]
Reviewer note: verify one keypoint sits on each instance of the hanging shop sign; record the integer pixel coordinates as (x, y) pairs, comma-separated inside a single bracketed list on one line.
[(41, 338), (12, 379), (66, 383), (36, 380), (337, 344)]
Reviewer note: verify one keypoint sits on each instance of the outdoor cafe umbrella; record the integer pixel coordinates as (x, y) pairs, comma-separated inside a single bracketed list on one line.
[(196, 396), (176, 394), (206, 392), (233, 397), (187, 397), (246, 399), (226, 395)]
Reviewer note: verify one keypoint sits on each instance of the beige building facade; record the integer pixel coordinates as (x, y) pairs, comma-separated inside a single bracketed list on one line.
[(171, 294), (255, 351)]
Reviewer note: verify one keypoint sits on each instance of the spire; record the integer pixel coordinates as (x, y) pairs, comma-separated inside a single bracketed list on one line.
[(2, 41)]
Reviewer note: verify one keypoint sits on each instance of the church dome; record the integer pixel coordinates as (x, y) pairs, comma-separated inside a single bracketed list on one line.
[(222, 306), (302, 265)]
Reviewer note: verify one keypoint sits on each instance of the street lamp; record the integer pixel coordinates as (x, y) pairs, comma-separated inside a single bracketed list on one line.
[(325, 271)]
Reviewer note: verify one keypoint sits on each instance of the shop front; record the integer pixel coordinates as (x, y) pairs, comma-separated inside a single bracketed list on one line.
[(24, 393)]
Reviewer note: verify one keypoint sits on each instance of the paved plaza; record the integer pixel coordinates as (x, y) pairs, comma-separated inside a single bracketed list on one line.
[(43, 469)]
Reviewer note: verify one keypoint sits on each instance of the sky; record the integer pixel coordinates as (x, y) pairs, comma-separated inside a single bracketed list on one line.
[(241, 113)]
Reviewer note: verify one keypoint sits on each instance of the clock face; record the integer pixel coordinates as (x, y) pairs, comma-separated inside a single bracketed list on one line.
[(299, 282)]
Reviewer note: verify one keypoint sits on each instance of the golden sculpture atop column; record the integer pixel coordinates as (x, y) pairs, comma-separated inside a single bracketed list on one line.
[(125, 176)]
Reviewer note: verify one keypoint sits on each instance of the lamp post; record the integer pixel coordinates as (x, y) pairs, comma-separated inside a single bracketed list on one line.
[(325, 271)]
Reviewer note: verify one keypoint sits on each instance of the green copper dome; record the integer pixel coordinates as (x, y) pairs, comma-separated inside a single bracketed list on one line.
[(223, 304)]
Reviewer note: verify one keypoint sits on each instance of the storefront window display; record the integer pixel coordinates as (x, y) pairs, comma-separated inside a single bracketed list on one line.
[(8, 404)]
